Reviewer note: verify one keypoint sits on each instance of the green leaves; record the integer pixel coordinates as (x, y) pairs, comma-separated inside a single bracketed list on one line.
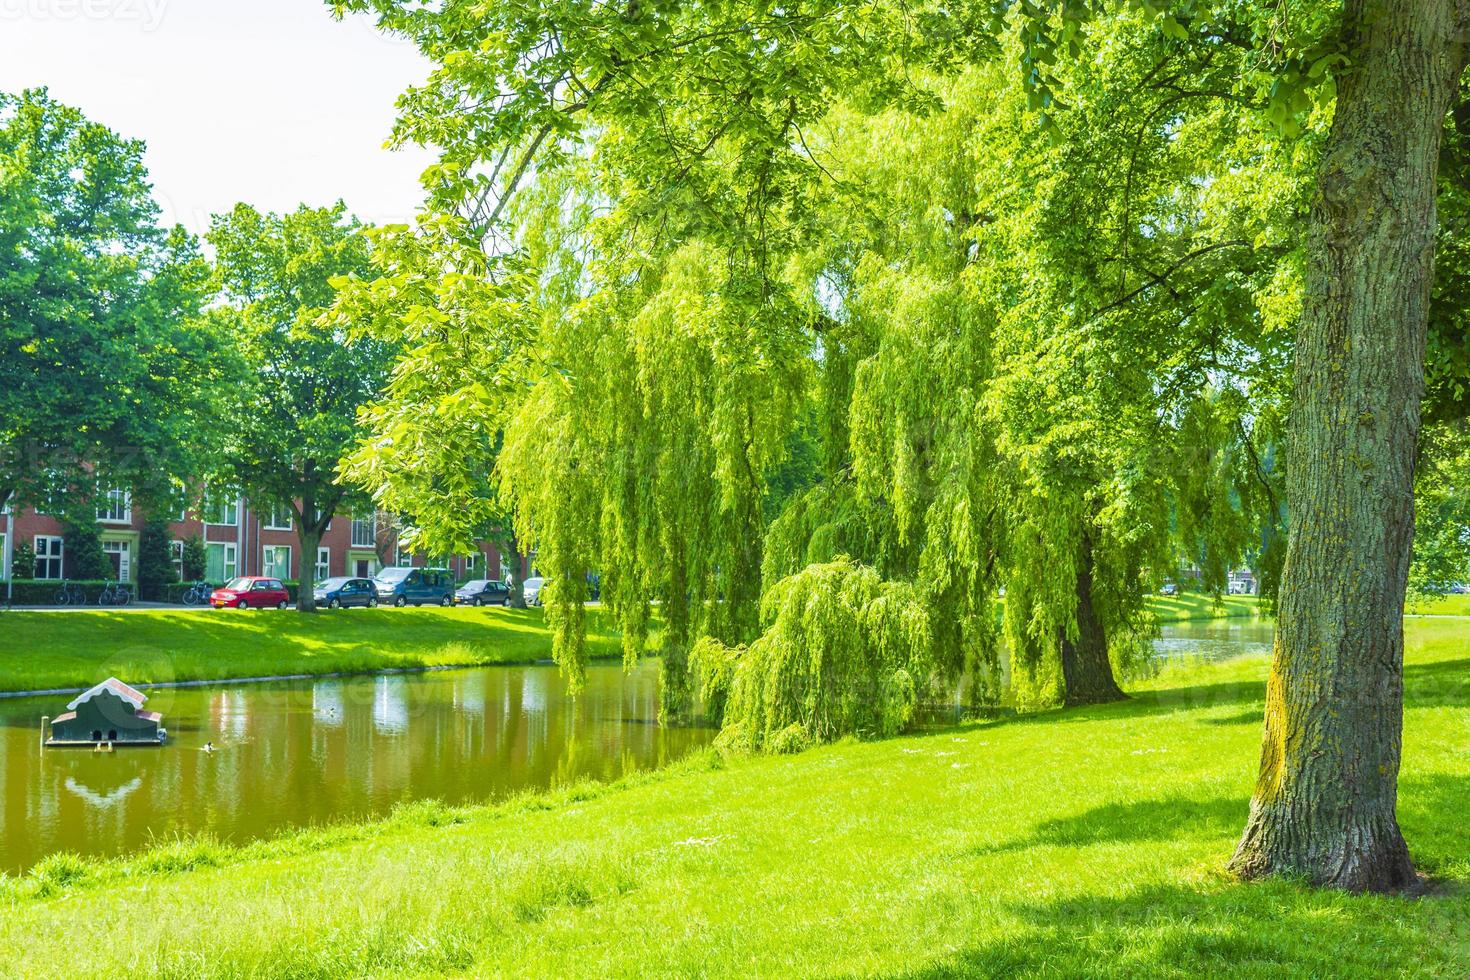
[(103, 361)]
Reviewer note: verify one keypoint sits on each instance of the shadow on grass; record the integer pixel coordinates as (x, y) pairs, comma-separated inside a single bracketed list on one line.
[(1165, 819), (1272, 929)]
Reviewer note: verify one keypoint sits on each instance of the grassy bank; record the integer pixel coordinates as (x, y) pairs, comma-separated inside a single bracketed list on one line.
[(1191, 606), (41, 650), (1448, 605), (1075, 843)]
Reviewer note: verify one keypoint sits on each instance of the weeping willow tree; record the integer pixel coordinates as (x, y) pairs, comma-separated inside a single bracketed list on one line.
[(1134, 270), (965, 310), (844, 652)]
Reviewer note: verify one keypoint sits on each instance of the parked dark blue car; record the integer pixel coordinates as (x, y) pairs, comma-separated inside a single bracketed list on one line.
[(483, 592), (338, 593)]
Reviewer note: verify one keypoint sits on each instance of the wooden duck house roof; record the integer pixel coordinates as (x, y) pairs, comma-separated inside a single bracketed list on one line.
[(115, 686)]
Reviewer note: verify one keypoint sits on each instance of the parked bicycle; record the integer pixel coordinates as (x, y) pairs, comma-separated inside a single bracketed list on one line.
[(71, 594), (114, 594), (198, 594)]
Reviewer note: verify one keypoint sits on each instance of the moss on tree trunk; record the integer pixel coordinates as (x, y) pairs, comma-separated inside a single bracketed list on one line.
[(1324, 803)]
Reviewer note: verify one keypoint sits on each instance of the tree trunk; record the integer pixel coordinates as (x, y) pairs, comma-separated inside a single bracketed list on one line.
[(1087, 671), (517, 597), (310, 539), (1324, 803)]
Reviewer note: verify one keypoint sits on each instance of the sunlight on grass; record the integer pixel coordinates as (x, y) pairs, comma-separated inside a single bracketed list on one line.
[(1087, 842), (77, 649)]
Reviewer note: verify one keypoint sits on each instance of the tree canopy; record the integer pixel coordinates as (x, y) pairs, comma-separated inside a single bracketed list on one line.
[(107, 374)]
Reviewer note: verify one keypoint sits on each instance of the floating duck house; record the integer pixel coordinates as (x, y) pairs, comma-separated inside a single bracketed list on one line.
[(109, 714)]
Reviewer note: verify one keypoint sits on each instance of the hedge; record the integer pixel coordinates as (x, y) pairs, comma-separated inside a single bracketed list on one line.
[(42, 592)]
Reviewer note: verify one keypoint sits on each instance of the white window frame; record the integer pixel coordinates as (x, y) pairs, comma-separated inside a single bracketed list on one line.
[(275, 514), (229, 564), (405, 558), (220, 508), (176, 558), (269, 569), (323, 563), (4, 551), (105, 513), (59, 556), (371, 524)]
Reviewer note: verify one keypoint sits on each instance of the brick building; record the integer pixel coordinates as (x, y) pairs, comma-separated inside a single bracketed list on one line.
[(238, 540)]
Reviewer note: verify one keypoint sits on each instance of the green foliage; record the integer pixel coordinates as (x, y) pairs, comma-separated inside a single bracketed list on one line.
[(196, 559), (843, 653), (301, 379), (105, 368), (23, 562), (1442, 513), (85, 558), (464, 327), (155, 560)]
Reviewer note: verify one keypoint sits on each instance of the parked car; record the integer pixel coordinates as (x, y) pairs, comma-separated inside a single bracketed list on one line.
[(340, 592), (532, 587), (483, 592), (1169, 588), (251, 592), (415, 586)]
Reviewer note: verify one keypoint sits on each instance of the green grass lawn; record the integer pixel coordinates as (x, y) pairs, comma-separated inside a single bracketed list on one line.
[(44, 650), (40, 650), (1086, 842), (1194, 606), (1448, 605)]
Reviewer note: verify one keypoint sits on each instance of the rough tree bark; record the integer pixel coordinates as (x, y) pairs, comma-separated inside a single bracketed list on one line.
[(310, 537), (1324, 803), (1087, 671)]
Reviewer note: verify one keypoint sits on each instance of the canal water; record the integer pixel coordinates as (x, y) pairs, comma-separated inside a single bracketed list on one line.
[(298, 753), (293, 754)]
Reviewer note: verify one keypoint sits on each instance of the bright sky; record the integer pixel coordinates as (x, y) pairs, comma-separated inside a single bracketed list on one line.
[(266, 101)]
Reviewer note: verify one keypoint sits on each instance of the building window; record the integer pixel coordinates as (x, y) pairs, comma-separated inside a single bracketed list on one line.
[(279, 518), (365, 533), (176, 556), (4, 554), (222, 512), (116, 507), (220, 562), (405, 557), (323, 563), (277, 561), (49, 552)]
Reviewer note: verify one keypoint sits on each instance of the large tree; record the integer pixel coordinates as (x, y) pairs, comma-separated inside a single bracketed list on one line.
[(465, 324), (293, 404), (681, 83), (106, 371)]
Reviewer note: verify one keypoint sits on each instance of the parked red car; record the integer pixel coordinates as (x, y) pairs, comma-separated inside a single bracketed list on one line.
[(251, 592)]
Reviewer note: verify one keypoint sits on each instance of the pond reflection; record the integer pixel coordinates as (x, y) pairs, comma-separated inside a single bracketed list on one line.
[(299, 753)]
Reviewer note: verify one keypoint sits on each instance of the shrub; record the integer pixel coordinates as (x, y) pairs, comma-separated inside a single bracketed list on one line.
[(32, 592), (844, 653), (23, 562), (155, 561), (85, 558), (196, 559)]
